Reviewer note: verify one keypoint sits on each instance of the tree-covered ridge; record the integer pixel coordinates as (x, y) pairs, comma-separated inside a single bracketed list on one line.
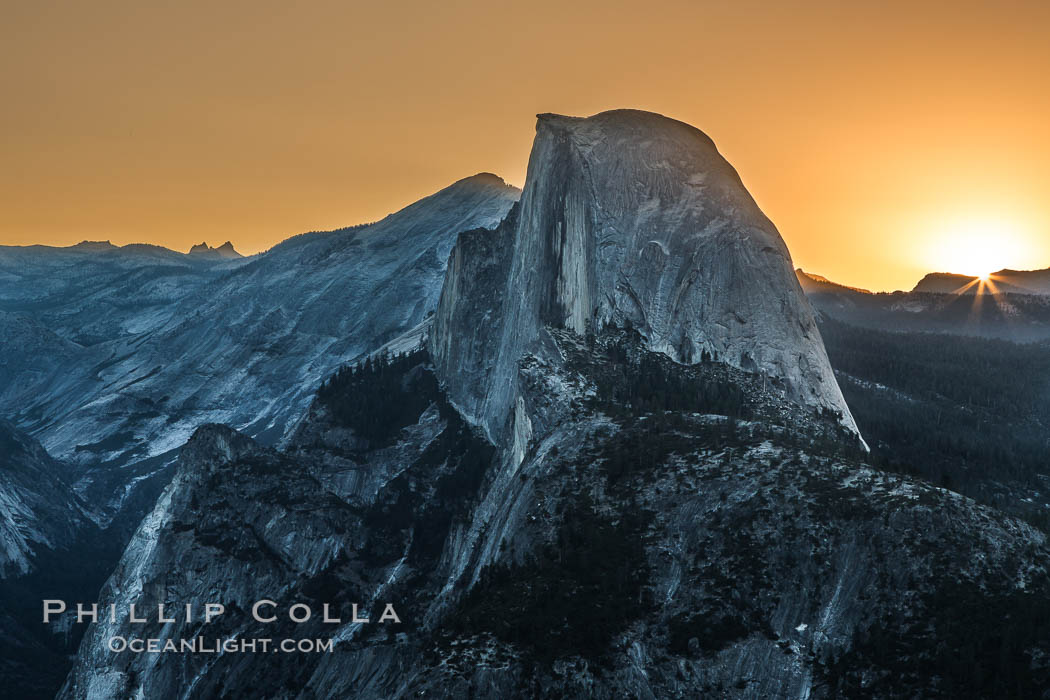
[(706, 541), (1008, 379), (644, 382), (630, 382), (969, 414), (380, 395), (573, 596)]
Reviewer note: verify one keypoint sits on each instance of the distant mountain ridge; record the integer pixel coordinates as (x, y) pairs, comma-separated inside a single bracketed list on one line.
[(812, 283), (1001, 282), (1005, 281), (225, 251), (95, 292), (942, 303), (118, 353)]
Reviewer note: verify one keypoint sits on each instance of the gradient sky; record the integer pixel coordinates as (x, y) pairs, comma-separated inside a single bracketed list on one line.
[(885, 140)]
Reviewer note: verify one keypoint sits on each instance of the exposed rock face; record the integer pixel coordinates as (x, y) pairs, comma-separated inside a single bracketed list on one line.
[(621, 553), (341, 519), (38, 509), (627, 217), (146, 344), (50, 548)]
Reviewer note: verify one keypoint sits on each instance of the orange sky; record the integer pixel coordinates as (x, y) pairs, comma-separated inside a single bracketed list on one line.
[(873, 137)]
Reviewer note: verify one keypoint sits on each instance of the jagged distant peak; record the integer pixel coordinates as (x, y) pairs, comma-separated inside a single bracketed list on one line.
[(226, 250)]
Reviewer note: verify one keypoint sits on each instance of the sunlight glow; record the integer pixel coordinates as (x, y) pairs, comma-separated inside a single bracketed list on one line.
[(978, 247)]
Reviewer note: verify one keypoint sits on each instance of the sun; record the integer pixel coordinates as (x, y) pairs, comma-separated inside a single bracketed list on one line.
[(976, 247)]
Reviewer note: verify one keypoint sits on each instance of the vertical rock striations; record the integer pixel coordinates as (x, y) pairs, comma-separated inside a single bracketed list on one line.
[(627, 218)]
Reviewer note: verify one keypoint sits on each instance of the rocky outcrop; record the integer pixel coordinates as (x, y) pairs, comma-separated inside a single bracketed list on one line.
[(635, 219), (224, 252)]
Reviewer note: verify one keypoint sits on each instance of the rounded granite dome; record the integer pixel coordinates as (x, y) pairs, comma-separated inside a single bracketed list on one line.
[(632, 217)]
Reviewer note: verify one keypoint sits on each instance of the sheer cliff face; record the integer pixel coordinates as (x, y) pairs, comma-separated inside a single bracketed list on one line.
[(632, 218), (50, 548), (38, 510)]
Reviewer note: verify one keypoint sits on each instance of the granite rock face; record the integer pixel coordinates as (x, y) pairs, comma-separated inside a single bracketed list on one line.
[(38, 509), (50, 548), (607, 552), (627, 218), (339, 519), (112, 357)]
